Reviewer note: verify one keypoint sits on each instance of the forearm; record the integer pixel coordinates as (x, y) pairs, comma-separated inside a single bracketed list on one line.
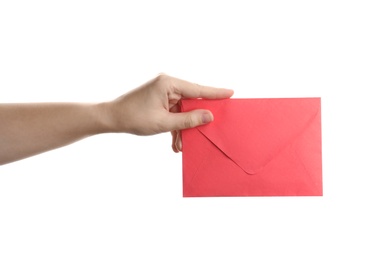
[(29, 129)]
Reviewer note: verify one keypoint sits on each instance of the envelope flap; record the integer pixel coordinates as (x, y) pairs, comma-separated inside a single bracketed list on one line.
[(251, 132)]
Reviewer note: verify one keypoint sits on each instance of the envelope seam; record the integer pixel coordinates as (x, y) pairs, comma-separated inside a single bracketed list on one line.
[(224, 153), (283, 147)]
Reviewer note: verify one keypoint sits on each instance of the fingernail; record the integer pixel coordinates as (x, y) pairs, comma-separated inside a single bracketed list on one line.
[(207, 118)]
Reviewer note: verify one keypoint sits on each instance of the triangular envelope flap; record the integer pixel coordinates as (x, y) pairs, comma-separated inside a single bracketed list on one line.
[(251, 132)]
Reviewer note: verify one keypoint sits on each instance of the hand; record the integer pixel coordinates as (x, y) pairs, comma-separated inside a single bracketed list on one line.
[(154, 108)]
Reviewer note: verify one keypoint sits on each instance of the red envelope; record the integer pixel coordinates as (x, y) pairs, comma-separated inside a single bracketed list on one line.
[(254, 147)]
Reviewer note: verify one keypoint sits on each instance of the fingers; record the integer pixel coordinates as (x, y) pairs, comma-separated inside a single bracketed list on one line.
[(192, 90), (174, 137), (179, 121), (176, 141), (179, 141)]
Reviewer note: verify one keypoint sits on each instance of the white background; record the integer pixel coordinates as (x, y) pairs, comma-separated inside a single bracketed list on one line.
[(120, 196)]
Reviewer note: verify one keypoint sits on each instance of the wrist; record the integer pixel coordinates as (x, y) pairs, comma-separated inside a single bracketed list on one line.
[(104, 118)]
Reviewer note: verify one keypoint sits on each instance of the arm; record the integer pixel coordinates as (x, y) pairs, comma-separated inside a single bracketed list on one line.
[(29, 129)]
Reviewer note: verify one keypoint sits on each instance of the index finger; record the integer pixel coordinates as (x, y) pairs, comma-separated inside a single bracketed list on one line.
[(193, 90)]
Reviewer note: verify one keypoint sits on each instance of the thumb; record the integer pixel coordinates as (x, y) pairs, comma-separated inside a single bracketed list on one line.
[(179, 121)]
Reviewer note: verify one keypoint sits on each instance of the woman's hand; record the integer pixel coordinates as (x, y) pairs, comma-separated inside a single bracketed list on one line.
[(154, 108)]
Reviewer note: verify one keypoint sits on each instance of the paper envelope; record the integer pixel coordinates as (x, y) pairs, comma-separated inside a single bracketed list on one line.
[(254, 147)]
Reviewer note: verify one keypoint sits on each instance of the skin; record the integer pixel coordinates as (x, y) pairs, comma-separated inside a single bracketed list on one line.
[(153, 108)]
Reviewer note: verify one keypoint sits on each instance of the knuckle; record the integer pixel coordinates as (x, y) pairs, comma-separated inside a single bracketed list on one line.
[(188, 122), (163, 81), (161, 77)]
